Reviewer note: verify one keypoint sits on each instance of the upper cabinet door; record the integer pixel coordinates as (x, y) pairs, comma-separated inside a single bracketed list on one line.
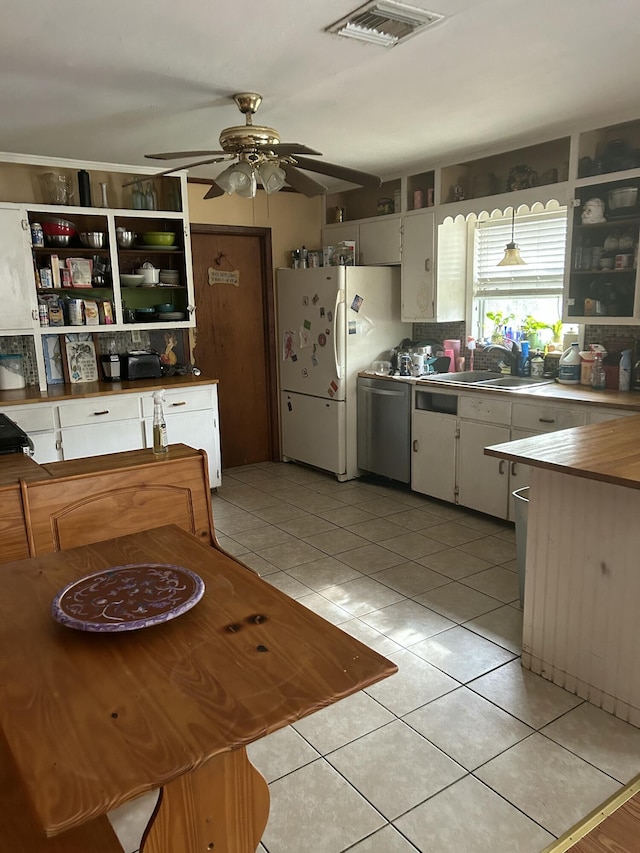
[(418, 263), (380, 242), (17, 283)]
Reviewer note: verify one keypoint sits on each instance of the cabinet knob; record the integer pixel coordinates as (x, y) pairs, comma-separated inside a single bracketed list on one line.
[(427, 264), (415, 445), (501, 467), (547, 420)]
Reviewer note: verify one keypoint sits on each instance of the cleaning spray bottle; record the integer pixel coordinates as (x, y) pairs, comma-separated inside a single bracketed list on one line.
[(160, 443)]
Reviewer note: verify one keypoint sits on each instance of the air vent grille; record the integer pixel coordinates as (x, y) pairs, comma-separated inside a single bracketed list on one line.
[(384, 22)]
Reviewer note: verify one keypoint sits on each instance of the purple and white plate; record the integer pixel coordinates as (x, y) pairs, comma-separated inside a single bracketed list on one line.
[(126, 598)]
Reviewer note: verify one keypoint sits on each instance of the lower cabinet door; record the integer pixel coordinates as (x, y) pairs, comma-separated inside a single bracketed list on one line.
[(195, 429), (483, 481), (99, 439), (433, 456)]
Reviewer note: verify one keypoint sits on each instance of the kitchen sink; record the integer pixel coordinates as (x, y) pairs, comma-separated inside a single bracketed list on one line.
[(488, 379), (467, 377), (514, 382)]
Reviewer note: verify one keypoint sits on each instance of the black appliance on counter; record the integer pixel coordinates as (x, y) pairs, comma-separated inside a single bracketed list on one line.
[(140, 365), (12, 438)]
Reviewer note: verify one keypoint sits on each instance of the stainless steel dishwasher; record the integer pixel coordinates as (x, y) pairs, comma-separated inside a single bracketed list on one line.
[(384, 428)]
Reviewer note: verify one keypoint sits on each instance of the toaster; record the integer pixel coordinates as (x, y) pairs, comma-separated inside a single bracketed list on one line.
[(141, 365)]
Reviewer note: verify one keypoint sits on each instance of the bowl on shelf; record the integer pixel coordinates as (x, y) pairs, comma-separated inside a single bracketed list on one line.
[(130, 280), (92, 239), (621, 197), (606, 263), (159, 238), (56, 227), (145, 315), (57, 240), (164, 308), (125, 238)]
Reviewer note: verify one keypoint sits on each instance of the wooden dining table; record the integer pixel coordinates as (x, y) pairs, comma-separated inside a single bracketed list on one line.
[(90, 720)]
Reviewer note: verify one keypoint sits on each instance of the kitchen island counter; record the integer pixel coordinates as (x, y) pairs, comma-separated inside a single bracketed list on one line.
[(582, 585)]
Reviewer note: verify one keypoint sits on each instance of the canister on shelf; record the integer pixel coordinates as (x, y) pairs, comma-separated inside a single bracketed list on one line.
[(37, 235)]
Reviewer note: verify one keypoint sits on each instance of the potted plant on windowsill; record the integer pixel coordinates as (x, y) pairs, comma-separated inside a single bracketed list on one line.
[(531, 328), (499, 320)]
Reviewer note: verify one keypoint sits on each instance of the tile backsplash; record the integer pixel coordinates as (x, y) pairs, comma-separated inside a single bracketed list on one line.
[(25, 346)]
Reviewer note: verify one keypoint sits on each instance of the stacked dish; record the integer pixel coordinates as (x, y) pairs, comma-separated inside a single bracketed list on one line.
[(170, 277)]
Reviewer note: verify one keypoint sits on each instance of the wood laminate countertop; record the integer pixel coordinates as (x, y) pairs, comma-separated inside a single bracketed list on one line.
[(82, 390), (572, 394), (608, 451)]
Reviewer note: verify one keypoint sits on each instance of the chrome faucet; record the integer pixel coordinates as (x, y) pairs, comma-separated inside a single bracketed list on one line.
[(511, 355)]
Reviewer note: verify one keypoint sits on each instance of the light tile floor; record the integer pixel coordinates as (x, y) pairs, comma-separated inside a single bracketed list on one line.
[(462, 749)]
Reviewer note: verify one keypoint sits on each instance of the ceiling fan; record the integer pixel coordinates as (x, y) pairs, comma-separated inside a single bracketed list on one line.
[(261, 155)]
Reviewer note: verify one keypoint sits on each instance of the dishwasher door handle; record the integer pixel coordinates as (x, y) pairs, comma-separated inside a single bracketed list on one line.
[(395, 392)]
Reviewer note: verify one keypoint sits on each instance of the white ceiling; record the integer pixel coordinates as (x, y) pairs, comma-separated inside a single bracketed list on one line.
[(110, 81)]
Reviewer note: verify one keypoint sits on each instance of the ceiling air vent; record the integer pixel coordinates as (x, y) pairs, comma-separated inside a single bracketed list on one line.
[(384, 22)]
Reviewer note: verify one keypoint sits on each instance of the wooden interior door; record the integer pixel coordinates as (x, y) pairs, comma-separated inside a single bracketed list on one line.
[(235, 338)]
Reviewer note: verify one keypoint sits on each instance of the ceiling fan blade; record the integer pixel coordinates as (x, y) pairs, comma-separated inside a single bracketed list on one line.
[(288, 148), (353, 175), (301, 182), (214, 192), (180, 155), (175, 169)]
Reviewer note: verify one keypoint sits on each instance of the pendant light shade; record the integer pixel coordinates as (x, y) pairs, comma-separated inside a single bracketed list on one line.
[(512, 252), (273, 178)]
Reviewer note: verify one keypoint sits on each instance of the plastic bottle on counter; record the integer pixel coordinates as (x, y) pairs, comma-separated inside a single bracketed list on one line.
[(524, 368), (598, 376), (160, 442), (570, 366), (624, 377)]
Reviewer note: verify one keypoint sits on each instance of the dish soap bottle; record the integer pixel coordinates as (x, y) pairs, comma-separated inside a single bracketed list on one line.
[(160, 443), (569, 366), (624, 377)]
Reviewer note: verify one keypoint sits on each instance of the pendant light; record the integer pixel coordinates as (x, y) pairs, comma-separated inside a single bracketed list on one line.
[(512, 252)]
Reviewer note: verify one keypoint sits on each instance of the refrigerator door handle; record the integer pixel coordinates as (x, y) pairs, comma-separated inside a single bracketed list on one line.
[(339, 323)]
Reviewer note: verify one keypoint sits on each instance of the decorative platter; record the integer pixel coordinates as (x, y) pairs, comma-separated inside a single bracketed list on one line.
[(126, 598)]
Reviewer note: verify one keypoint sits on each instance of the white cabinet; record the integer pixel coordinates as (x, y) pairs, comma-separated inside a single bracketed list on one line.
[(418, 267), (433, 291), (39, 422), (483, 481), (433, 457), (379, 241), (17, 284), (101, 438), (191, 416)]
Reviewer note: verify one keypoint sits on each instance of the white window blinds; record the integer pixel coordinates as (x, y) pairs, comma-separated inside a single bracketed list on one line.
[(541, 238)]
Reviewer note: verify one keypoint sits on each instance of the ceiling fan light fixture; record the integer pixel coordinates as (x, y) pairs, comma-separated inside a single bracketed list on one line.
[(224, 180), (249, 186), (272, 177)]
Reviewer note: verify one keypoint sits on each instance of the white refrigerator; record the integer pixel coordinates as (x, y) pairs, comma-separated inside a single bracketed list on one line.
[(332, 322)]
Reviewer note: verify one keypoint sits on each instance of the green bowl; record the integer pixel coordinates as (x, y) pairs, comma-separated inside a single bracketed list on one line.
[(159, 238), (164, 308)]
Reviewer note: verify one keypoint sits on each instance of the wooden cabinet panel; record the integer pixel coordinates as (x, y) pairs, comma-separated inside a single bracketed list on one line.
[(81, 508), (13, 533)]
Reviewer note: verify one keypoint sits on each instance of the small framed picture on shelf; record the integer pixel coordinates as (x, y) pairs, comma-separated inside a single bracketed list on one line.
[(81, 359), (52, 352), (80, 269)]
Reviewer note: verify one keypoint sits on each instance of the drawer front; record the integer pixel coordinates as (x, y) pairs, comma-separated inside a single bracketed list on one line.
[(100, 410), (596, 416), (484, 409), (32, 418), (180, 400), (545, 418)]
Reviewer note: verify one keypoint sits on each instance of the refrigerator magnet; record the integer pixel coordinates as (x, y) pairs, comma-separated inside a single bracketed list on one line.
[(334, 385), (305, 301), (330, 392), (316, 299), (305, 373), (327, 332), (357, 302), (304, 337), (307, 324), (314, 360), (322, 312), (287, 345), (352, 327), (322, 339), (329, 315)]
